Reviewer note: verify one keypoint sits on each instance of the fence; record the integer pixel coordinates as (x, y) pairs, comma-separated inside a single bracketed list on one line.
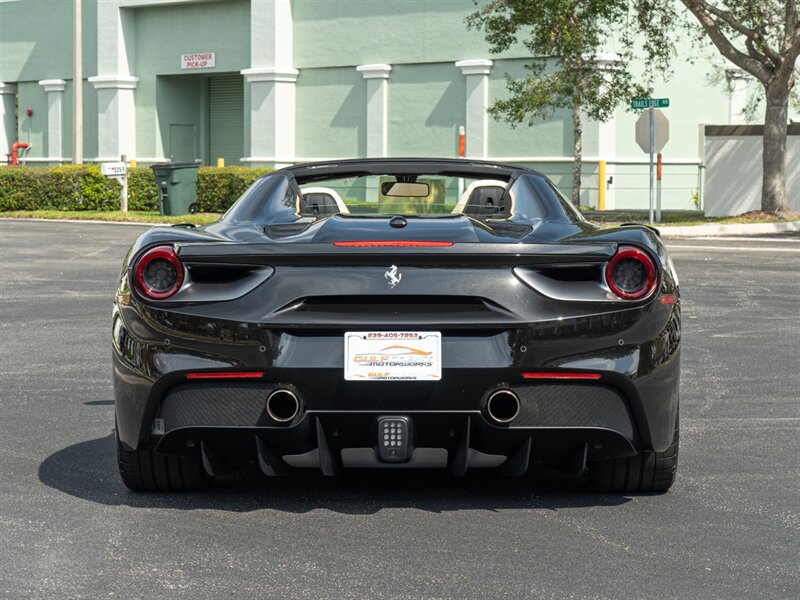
[(627, 181)]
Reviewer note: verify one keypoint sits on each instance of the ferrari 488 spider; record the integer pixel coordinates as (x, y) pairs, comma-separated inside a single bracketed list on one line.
[(398, 313)]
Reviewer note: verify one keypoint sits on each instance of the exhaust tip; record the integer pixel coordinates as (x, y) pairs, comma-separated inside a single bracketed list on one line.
[(503, 406), (282, 406)]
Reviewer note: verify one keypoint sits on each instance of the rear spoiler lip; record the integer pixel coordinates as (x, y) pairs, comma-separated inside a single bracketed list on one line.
[(645, 225), (467, 253)]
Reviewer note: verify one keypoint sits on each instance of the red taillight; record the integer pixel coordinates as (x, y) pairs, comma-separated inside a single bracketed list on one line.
[(393, 244), (559, 375), (631, 274), (159, 273), (225, 375)]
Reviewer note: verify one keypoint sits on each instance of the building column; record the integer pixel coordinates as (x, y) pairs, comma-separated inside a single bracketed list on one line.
[(477, 119), (606, 138), (737, 101), (8, 133), (55, 118), (599, 143), (115, 84), (272, 116), (377, 107), (270, 85), (116, 116), (607, 151)]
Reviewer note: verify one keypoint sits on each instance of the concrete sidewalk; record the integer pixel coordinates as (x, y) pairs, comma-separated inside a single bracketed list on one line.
[(729, 229)]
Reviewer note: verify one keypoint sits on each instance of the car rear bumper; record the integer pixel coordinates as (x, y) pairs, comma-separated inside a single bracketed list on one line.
[(335, 426), (631, 406)]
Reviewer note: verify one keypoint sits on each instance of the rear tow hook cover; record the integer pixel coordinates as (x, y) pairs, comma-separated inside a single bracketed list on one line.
[(395, 439)]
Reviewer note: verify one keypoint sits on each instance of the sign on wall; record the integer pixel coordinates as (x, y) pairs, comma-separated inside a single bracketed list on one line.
[(198, 60)]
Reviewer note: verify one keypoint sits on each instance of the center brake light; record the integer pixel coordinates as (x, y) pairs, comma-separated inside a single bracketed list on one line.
[(392, 244)]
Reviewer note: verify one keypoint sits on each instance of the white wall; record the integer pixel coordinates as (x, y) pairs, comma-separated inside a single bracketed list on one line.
[(734, 170)]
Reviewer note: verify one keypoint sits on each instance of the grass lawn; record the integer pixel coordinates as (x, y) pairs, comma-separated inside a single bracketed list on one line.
[(604, 219), (115, 215), (685, 218)]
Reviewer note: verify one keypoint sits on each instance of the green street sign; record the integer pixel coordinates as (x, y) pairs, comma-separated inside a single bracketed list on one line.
[(650, 103)]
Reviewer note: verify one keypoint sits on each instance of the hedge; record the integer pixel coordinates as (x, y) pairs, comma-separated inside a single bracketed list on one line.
[(84, 188), (218, 188), (73, 188), (142, 190)]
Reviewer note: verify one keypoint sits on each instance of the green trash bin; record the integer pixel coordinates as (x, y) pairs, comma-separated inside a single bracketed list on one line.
[(177, 187)]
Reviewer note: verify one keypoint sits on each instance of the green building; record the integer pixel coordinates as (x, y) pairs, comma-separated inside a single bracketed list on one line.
[(273, 82)]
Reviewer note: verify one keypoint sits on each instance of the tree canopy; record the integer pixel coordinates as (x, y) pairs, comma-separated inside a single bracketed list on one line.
[(761, 37), (570, 63), (570, 66)]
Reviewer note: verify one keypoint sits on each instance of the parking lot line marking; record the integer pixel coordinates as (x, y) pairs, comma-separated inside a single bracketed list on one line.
[(766, 240), (729, 248)]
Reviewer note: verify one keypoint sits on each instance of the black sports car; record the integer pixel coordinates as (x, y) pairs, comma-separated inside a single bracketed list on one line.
[(398, 313)]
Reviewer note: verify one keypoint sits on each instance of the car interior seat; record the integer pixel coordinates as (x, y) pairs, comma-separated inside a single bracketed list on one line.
[(483, 198), (320, 201)]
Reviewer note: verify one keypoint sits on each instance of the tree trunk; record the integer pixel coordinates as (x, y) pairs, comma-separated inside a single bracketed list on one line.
[(773, 187), (577, 165)]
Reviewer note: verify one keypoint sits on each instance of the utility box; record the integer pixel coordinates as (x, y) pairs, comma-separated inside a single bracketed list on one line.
[(177, 187)]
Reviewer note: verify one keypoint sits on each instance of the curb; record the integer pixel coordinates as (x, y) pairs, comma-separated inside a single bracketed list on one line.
[(93, 221), (666, 232), (730, 229)]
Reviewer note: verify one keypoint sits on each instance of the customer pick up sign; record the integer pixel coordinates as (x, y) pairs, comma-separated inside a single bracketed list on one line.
[(198, 60)]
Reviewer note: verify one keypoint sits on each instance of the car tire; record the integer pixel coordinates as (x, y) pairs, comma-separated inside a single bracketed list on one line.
[(646, 472), (149, 471)]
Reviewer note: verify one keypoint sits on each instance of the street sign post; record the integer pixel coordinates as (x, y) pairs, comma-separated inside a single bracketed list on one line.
[(652, 134), (658, 188)]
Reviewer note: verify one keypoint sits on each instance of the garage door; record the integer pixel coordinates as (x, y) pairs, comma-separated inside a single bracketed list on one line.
[(226, 119)]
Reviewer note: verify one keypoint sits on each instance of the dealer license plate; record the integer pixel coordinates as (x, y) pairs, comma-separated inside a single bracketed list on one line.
[(393, 355)]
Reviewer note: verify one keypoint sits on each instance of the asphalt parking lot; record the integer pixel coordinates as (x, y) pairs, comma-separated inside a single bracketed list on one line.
[(730, 527)]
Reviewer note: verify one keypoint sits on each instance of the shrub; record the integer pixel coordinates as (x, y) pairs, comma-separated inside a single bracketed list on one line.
[(218, 188), (18, 189), (76, 187), (57, 188), (142, 190)]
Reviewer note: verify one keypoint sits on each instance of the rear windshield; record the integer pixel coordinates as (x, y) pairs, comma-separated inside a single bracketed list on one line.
[(381, 195), (280, 199)]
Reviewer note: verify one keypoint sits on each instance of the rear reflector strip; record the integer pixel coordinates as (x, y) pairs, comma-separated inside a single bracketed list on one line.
[(558, 375), (226, 375), (392, 244), (669, 299)]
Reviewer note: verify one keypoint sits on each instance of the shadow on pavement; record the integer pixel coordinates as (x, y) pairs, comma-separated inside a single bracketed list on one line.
[(88, 471)]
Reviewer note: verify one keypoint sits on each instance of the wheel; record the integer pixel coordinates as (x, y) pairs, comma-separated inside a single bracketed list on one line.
[(193, 208), (646, 472), (149, 471)]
